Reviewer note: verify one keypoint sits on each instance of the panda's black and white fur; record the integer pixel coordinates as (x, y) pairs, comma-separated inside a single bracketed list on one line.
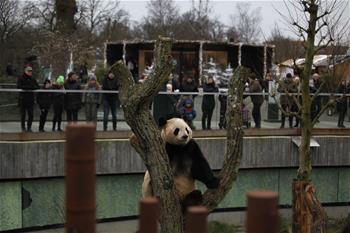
[(186, 160)]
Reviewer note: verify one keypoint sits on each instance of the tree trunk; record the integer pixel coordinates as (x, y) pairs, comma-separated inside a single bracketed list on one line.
[(304, 220), (64, 29), (135, 99)]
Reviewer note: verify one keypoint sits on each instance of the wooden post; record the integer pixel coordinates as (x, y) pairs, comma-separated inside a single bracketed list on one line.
[(149, 215), (262, 212), (196, 220), (80, 180)]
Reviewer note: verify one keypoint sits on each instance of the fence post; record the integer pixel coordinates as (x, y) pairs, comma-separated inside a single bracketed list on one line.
[(149, 215), (196, 220), (80, 178), (262, 212)]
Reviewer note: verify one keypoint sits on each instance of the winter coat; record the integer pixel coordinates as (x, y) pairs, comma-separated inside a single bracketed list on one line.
[(289, 86), (209, 100), (189, 87), (57, 97), (92, 98), (26, 83), (44, 99), (110, 85), (255, 87), (342, 104), (72, 100)]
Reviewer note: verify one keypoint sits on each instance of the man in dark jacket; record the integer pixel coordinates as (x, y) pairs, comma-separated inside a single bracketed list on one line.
[(208, 103), (342, 104), (26, 99), (110, 83), (287, 86), (72, 101), (257, 100), (44, 100)]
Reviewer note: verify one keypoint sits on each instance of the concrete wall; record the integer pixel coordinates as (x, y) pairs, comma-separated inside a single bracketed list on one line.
[(118, 195), (268, 163), (38, 159)]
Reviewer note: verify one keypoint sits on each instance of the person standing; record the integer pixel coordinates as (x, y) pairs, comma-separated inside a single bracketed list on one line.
[(342, 104), (287, 86), (58, 103), (72, 101), (223, 106), (257, 100), (110, 83), (208, 103), (92, 100), (44, 100), (26, 99), (316, 105)]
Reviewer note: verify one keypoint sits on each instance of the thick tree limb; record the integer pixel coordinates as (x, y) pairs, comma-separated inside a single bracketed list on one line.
[(135, 99), (228, 174)]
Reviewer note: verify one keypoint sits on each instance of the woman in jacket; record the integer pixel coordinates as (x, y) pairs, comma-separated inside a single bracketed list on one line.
[(72, 100)]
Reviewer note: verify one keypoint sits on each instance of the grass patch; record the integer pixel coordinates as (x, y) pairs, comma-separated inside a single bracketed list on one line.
[(338, 225), (217, 227)]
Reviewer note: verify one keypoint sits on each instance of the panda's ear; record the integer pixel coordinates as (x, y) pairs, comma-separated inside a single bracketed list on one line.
[(162, 121)]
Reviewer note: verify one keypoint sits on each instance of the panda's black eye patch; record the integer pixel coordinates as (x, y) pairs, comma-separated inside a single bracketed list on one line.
[(176, 132), (187, 131)]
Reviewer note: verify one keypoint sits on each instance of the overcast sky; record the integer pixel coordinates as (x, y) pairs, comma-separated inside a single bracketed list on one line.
[(223, 9)]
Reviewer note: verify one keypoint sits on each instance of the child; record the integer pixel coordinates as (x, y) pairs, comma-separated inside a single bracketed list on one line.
[(92, 100), (186, 109), (58, 103)]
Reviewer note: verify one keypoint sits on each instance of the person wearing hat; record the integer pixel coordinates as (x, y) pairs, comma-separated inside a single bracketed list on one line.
[(58, 103), (72, 101), (26, 99), (91, 100)]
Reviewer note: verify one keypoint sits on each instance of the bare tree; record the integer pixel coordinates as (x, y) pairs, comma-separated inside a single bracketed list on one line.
[(245, 23), (14, 15), (45, 14), (199, 23), (162, 19), (148, 143), (285, 47), (97, 13), (312, 21)]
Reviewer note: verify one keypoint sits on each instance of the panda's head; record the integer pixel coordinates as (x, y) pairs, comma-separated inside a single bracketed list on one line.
[(175, 131)]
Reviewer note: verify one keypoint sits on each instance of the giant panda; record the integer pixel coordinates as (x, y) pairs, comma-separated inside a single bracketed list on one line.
[(186, 161)]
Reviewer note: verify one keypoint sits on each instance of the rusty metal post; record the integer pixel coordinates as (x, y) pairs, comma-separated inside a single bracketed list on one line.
[(80, 178), (196, 220), (262, 212), (149, 215)]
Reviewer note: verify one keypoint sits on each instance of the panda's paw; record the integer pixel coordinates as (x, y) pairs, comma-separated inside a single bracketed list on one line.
[(214, 183), (194, 198)]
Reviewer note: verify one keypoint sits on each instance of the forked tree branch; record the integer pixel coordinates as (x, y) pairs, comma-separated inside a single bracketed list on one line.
[(229, 172)]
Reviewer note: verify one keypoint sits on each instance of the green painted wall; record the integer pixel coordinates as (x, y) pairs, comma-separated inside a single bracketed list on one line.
[(119, 195), (10, 205)]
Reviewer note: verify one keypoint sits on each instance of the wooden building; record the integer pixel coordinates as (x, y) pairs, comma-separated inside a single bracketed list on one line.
[(191, 55)]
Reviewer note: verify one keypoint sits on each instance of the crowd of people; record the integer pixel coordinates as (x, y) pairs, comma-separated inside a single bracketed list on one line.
[(182, 104), (291, 99), (63, 98)]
